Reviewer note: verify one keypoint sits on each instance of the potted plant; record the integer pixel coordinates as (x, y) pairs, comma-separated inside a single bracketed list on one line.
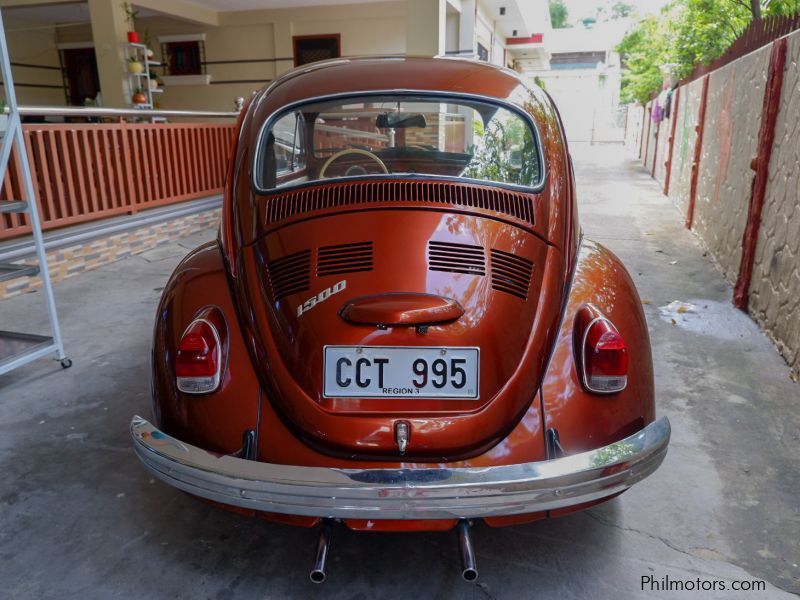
[(134, 66), (153, 80), (139, 97), (130, 16)]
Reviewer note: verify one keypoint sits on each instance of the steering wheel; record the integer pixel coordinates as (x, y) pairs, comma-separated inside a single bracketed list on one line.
[(346, 151)]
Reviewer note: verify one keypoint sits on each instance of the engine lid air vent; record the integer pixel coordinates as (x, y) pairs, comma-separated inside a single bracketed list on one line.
[(344, 258), (456, 258), (290, 274), (517, 206), (511, 273)]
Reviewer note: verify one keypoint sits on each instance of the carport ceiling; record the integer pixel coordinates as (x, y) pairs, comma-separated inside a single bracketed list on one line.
[(64, 13), (227, 5)]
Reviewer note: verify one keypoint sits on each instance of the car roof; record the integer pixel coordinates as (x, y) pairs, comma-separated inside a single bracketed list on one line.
[(449, 75)]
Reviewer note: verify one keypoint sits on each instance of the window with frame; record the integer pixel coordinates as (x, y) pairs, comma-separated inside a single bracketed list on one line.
[(183, 58), (399, 135), (312, 48)]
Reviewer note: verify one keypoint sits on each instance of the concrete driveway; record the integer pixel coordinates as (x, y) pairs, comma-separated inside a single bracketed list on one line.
[(79, 518)]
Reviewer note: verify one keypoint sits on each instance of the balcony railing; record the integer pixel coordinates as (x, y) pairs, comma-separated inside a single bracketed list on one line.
[(89, 171)]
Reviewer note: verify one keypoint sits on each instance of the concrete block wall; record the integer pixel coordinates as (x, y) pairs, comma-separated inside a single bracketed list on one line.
[(730, 141), (775, 285), (642, 137), (633, 125), (662, 149), (685, 139), (650, 138), (724, 182)]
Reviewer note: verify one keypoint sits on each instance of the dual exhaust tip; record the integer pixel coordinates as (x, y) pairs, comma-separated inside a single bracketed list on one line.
[(317, 574), (469, 569)]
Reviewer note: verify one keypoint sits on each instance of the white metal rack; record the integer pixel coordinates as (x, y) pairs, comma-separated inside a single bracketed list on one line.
[(17, 349), (142, 81)]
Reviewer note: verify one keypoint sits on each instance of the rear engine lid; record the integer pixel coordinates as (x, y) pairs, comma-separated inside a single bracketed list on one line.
[(320, 283)]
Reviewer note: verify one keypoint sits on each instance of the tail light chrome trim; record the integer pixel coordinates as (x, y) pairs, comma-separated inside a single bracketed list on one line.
[(615, 379), (623, 379), (205, 384)]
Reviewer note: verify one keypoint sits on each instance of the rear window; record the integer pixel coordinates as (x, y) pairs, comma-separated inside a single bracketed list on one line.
[(398, 136)]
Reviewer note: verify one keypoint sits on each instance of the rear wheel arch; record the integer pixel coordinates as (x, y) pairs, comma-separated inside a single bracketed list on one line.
[(584, 420), (214, 421)]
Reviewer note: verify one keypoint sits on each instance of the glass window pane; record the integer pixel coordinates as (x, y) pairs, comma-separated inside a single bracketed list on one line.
[(400, 136)]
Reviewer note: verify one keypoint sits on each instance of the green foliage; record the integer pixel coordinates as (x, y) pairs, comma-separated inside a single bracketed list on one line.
[(703, 30), (130, 14), (504, 151), (687, 33), (558, 14), (781, 7), (644, 50), (621, 10), (613, 10)]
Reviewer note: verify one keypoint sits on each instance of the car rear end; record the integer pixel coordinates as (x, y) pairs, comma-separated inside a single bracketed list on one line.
[(401, 328)]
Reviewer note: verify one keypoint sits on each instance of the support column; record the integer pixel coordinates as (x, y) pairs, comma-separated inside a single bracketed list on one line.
[(466, 29), (760, 164), (655, 150), (642, 134), (671, 139), (109, 33), (425, 27), (698, 153)]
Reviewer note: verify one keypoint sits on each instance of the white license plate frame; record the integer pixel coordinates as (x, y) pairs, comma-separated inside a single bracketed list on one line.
[(399, 378)]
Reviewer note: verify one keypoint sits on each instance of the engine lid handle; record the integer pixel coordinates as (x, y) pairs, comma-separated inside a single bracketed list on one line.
[(401, 308)]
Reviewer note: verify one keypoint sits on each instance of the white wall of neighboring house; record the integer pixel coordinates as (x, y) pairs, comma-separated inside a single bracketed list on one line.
[(452, 31), (483, 30), (588, 100), (587, 91)]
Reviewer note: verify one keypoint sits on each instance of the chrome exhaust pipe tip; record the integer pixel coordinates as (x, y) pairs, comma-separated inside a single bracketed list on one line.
[(318, 574), (469, 569)]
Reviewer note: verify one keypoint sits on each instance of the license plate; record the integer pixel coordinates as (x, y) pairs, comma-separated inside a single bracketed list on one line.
[(401, 372)]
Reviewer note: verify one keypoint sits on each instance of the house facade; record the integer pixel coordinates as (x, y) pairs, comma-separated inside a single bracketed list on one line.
[(207, 53)]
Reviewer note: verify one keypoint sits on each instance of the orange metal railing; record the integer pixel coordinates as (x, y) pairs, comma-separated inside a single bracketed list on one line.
[(85, 172)]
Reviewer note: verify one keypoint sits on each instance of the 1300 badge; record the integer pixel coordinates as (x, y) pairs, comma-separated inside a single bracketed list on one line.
[(321, 297)]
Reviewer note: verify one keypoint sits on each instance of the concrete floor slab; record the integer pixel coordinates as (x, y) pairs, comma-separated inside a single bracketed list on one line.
[(80, 518)]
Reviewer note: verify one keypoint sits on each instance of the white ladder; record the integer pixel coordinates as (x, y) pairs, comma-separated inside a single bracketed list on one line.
[(17, 349)]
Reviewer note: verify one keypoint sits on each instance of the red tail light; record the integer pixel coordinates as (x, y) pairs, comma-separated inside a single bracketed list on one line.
[(605, 358), (198, 362)]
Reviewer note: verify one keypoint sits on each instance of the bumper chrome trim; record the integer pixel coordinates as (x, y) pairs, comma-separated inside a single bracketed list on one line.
[(420, 493)]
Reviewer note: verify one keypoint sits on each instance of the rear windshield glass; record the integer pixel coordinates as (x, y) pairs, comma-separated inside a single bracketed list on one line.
[(384, 136)]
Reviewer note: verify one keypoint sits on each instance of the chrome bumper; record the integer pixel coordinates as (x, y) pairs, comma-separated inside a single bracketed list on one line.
[(421, 493)]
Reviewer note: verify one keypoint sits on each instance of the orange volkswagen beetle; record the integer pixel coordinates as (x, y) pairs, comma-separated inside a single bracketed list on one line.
[(400, 326)]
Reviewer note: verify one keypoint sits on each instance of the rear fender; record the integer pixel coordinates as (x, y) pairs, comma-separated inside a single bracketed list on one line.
[(584, 420), (214, 421)]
